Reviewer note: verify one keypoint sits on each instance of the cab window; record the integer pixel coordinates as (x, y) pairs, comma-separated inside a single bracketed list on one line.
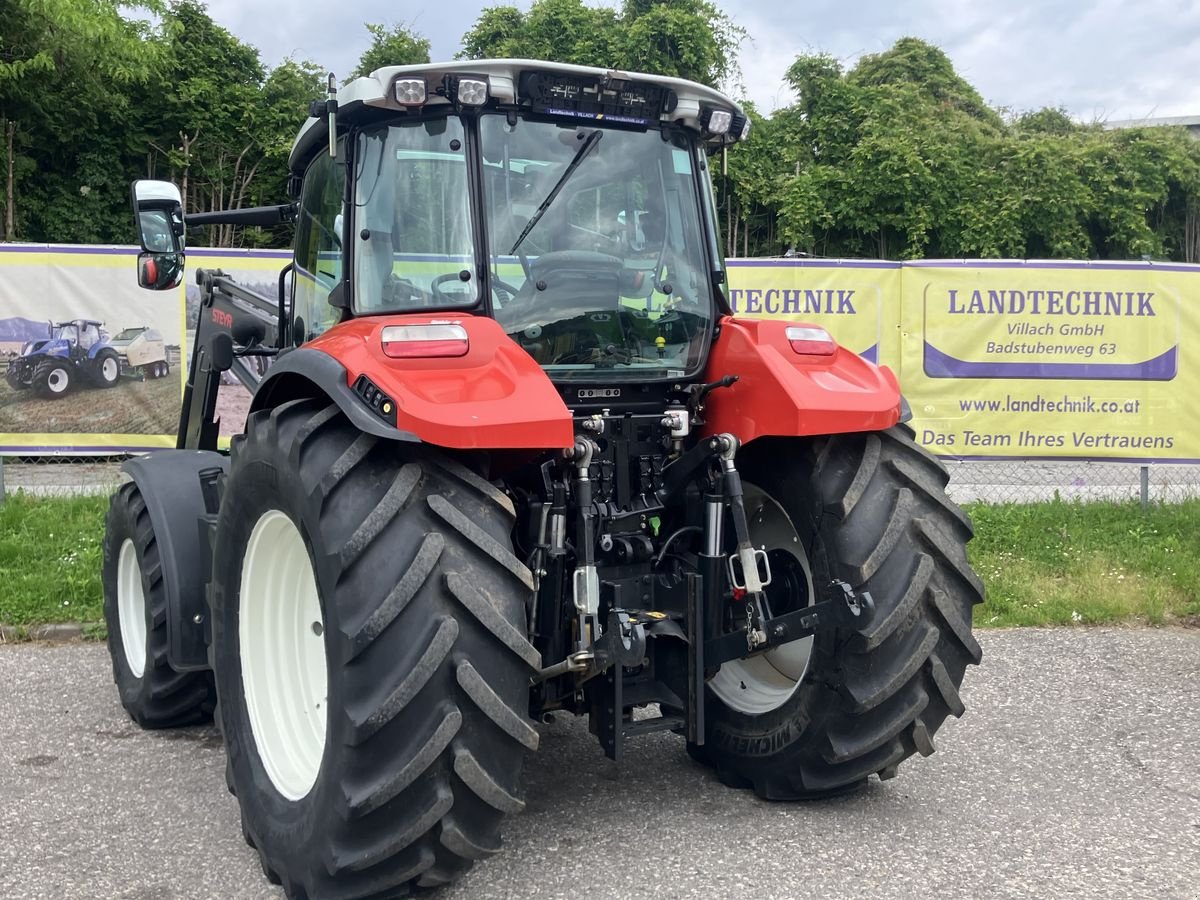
[(318, 244)]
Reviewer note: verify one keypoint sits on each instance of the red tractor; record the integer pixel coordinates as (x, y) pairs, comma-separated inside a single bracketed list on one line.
[(514, 455)]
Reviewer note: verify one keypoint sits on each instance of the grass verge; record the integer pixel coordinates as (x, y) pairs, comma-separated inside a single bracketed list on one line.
[(1063, 563), (50, 557), (1043, 563)]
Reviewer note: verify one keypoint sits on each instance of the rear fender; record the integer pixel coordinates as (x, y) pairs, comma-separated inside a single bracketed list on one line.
[(494, 397), (169, 481), (780, 393)]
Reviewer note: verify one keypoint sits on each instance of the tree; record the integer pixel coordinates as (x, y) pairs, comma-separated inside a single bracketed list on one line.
[(220, 125), (64, 65), (911, 61), (900, 158), (497, 34), (690, 39), (397, 46)]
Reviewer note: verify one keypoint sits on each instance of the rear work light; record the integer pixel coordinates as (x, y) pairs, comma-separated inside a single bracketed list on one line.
[(472, 91), (410, 91), (437, 339), (808, 340)]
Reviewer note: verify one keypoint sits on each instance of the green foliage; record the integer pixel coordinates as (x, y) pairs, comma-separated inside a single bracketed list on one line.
[(397, 46), (64, 68), (927, 70), (99, 99), (690, 39), (901, 158), (497, 33), (896, 157)]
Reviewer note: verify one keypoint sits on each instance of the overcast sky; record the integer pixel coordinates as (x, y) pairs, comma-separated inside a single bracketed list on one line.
[(1104, 59)]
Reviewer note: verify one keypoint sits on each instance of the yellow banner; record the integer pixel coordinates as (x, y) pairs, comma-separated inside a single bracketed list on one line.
[(1059, 360), (858, 302), (78, 306), (997, 358)]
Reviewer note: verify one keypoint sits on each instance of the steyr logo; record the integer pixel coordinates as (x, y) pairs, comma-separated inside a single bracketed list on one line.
[(223, 319)]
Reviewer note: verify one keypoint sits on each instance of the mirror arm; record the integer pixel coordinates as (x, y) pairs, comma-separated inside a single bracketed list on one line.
[(263, 216)]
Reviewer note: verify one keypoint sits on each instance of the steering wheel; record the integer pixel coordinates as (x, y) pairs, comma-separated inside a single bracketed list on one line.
[(447, 298), (503, 291)]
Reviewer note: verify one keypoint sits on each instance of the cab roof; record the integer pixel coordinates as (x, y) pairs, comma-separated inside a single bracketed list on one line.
[(375, 91)]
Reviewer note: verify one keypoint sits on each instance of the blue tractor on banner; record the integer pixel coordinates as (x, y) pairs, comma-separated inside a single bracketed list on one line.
[(76, 351)]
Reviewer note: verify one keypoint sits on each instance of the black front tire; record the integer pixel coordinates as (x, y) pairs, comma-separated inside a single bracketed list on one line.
[(52, 378), (106, 369), (13, 376), (158, 697), (871, 510), (427, 660)]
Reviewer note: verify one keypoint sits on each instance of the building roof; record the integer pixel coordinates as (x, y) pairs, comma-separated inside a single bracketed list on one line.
[(1178, 121)]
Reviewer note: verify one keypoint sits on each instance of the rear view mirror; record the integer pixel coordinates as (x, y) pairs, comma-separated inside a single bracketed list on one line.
[(158, 210), (160, 271)]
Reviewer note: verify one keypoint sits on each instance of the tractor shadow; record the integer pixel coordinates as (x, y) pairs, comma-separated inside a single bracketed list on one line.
[(655, 779)]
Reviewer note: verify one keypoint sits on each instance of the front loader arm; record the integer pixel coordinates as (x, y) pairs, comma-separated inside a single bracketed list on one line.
[(234, 323)]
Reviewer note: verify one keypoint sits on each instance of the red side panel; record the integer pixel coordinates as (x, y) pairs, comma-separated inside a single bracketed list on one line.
[(495, 396), (782, 393)]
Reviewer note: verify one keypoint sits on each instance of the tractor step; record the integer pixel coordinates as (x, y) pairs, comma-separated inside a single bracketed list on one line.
[(613, 719), (656, 723)]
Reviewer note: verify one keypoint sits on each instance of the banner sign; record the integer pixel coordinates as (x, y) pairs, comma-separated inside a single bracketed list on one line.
[(90, 361), (1053, 360), (855, 301), (998, 359)]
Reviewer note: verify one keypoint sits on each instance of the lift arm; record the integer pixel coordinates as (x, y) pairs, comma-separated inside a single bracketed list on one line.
[(234, 324)]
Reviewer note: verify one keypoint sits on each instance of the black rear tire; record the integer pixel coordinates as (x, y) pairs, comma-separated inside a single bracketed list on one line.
[(427, 661), (158, 697), (871, 510)]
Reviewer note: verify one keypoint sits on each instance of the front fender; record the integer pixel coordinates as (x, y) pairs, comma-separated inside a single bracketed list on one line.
[(494, 397), (169, 481), (780, 393)]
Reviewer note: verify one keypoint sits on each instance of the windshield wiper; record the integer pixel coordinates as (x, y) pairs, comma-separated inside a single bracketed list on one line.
[(589, 142)]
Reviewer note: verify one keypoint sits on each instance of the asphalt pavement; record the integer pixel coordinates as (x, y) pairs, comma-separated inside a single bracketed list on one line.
[(1075, 773)]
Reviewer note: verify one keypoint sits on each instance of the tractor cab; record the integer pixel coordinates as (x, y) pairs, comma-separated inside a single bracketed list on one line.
[(78, 334), (572, 205), (71, 338)]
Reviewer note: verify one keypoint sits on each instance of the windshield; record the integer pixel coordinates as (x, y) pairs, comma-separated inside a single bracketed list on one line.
[(65, 332), (412, 243), (611, 275), (129, 334)]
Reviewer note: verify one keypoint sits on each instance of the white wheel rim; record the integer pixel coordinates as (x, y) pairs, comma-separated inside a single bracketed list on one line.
[(759, 684), (58, 380), (282, 650), (108, 369), (131, 608)]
